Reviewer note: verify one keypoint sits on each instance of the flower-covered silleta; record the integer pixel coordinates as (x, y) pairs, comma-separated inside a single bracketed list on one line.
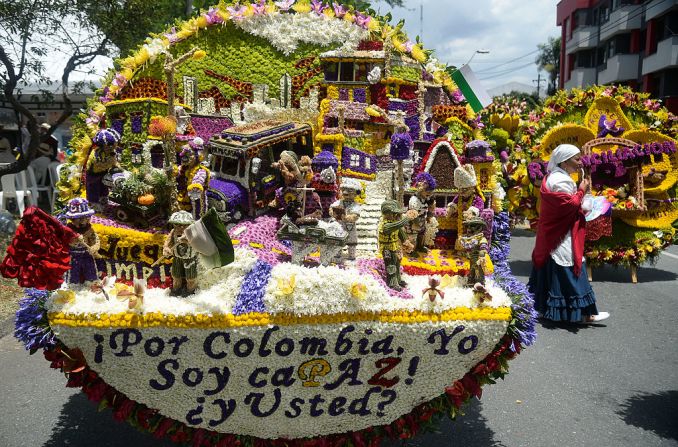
[(255, 178), (628, 152)]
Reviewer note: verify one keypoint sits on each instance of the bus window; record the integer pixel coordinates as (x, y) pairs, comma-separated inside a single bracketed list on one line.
[(216, 163), (229, 166)]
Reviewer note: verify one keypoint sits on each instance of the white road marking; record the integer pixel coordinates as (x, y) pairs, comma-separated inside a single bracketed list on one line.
[(670, 255)]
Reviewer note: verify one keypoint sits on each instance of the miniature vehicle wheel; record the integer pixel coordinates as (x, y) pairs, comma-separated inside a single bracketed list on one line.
[(122, 215)]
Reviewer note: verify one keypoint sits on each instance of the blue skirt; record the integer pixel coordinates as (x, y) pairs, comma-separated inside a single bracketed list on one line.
[(560, 295)]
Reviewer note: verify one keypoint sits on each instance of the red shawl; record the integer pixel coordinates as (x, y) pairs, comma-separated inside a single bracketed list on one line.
[(559, 213)]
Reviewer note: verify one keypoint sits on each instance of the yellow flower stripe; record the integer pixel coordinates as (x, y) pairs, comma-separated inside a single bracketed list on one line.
[(151, 99), (439, 268), (157, 319), (125, 239), (360, 175)]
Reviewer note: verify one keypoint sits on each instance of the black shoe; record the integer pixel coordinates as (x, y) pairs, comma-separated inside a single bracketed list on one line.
[(185, 293), (178, 292), (402, 283)]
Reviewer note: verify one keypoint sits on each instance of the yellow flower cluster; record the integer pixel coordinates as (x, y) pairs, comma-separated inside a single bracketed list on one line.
[(157, 319)]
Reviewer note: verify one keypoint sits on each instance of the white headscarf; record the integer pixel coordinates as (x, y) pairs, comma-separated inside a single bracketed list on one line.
[(562, 153)]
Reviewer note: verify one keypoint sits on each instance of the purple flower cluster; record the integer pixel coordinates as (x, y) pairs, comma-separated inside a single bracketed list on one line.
[(524, 315), (118, 125), (629, 156), (31, 324), (257, 135), (363, 166), (251, 296), (401, 143), (136, 123), (376, 269), (409, 107), (206, 126), (360, 95), (325, 159), (536, 170), (261, 232), (428, 178), (413, 123), (343, 94)]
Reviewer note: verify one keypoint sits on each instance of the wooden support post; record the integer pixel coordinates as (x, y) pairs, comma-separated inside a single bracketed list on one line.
[(634, 273), (589, 272)]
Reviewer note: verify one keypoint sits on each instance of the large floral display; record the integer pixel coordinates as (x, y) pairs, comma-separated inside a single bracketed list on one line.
[(629, 154), (278, 227)]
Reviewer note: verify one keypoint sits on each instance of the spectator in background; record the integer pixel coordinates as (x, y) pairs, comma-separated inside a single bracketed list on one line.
[(40, 163), (6, 155), (48, 143)]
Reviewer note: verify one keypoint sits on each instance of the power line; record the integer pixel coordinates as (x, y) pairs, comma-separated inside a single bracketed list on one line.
[(603, 28), (505, 72)]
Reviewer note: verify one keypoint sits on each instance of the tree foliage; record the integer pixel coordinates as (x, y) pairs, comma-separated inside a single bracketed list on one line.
[(548, 60), (33, 34)]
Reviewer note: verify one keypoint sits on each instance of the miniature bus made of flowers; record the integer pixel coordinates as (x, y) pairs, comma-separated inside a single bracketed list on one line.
[(243, 182)]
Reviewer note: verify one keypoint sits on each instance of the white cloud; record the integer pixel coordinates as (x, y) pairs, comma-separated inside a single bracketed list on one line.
[(510, 29)]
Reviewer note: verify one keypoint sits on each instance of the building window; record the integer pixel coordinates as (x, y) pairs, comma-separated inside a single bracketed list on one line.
[(355, 160), (585, 59)]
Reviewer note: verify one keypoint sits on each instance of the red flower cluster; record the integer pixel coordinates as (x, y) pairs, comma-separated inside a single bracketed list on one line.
[(38, 256)]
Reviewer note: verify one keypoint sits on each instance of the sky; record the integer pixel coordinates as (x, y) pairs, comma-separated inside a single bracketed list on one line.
[(455, 29), (509, 29)]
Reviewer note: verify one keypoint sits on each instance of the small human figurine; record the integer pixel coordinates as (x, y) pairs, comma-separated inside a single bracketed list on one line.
[(474, 245), (104, 159), (432, 291), (346, 211), (425, 205), (192, 179), (393, 240), (296, 174), (84, 248), (184, 258)]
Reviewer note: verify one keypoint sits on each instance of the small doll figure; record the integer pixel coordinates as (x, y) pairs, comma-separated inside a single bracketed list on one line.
[(85, 247), (432, 291), (467, 184), (192, 179), (474, 245), (393, 240), (104, 159), (184, 258), (424, 204), (296, 174), (346, 211)]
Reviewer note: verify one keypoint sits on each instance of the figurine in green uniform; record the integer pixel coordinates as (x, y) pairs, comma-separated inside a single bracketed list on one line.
[(393, 240)]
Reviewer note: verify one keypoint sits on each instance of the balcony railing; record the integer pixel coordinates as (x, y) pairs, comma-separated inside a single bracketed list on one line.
[(665, 57), (623, 19)]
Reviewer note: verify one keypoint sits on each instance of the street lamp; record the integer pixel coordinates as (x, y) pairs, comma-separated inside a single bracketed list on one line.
[(474, 54)]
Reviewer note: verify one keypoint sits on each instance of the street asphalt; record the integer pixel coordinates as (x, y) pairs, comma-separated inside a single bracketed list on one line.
[(605, 385)]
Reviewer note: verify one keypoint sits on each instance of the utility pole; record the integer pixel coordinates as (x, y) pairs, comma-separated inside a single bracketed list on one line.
[(538, 81)]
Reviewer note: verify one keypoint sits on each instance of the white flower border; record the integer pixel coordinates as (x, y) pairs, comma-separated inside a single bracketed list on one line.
[(286, 31)]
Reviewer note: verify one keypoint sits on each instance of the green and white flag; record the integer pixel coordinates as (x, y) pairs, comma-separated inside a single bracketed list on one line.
[(470, 86), (208, 236)]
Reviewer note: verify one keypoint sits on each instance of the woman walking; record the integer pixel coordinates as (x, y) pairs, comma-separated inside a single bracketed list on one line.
[(561, 289)]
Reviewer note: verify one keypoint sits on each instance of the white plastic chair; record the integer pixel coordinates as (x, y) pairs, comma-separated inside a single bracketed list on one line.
[(36, 189), (10, 190)]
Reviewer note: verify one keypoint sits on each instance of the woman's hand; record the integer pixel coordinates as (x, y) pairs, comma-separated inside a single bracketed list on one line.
[(584, 185)]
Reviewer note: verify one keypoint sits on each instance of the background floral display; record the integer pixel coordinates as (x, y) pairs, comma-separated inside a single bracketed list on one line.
[(264, 345), (644, 218)]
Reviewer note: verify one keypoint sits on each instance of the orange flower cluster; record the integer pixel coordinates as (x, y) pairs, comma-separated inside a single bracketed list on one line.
[(306, 62), (162, 126), (298, 81), (144, 88), (242, 87), (442, 112)]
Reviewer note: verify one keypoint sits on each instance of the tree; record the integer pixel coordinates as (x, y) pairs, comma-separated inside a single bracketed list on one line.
[(548, 60), (30, 31)]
